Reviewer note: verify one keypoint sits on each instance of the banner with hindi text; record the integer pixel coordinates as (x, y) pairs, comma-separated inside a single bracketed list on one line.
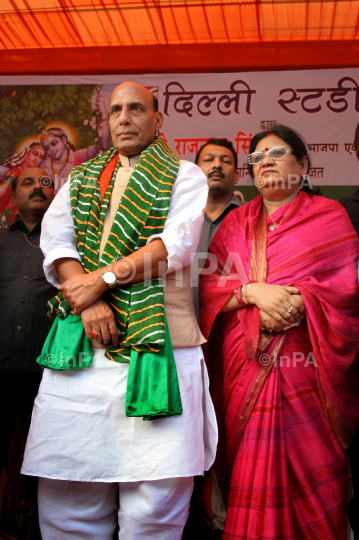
[(58, 122)]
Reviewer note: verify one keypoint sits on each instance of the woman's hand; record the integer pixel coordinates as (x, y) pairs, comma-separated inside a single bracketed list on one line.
[(283, 304), (269, 323), (297, 301), (99, 318), (82, 290)]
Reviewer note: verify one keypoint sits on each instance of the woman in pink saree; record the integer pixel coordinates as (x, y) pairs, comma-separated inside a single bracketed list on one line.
[(280, 311)]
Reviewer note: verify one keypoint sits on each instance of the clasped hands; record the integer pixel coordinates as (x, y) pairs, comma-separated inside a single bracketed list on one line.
[(83, 292), (273, 302)]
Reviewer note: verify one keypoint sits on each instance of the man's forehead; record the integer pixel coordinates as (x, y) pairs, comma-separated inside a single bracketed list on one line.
[(32, 173), (215, 150), (130, 92), (31, 177)]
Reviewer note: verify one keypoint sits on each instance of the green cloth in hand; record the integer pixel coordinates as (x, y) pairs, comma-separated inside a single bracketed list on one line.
[(152, 384), (66, 346)]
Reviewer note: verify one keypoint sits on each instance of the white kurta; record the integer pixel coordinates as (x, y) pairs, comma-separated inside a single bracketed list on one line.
[(79, 430)]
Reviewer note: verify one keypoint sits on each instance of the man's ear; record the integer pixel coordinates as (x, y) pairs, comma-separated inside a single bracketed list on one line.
[(159, 120), (13, 198)]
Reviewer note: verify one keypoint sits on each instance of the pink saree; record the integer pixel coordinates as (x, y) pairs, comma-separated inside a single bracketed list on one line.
[(288, 405)]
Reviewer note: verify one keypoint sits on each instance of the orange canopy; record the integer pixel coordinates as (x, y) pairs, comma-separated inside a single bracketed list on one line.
[(176, 35)]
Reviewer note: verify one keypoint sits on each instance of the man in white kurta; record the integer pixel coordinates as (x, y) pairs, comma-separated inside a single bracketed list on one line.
[(98, 467)]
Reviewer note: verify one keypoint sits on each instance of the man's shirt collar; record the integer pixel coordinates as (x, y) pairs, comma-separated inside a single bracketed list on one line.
[(233, 201), (128, 161), (19, 224)]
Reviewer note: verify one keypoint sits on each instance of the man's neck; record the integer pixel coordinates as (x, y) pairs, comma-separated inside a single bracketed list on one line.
[(216, 205), (31, 220)]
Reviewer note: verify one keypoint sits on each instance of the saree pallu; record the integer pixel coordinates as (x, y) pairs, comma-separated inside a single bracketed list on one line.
[(288, 405)]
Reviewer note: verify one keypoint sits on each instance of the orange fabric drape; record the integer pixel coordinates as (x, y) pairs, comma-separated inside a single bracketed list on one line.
[(88, 23), (147, 36)]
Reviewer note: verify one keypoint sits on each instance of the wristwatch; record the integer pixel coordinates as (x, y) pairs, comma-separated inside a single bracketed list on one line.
[(108, 277)]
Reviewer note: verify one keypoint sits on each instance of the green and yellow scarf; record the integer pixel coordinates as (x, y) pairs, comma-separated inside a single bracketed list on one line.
[(138, 309)]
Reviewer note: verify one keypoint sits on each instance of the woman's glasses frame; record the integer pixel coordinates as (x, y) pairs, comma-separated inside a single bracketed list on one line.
[(271, 153)]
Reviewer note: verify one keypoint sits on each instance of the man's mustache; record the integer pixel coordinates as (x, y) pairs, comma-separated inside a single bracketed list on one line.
[(38, 193), (217, 172)]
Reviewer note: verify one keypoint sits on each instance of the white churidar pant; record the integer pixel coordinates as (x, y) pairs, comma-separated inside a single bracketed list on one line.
[(155, 510)]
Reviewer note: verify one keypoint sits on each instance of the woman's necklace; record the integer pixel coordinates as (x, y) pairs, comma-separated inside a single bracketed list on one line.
[(276, 225), (28, 241)]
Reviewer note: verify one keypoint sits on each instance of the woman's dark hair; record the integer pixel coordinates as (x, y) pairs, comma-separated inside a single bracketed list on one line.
[(289, 136)]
